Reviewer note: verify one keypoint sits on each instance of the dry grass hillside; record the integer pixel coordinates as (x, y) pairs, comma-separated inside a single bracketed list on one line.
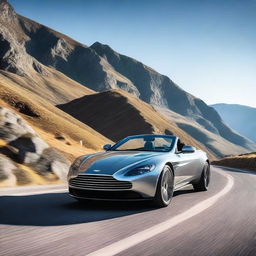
[(54, 87), (57, 128), (117, 114), (245, 161)]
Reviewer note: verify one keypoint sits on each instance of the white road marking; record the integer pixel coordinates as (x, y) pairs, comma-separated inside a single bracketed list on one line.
[(235, 169), (139, 237), (33, 190), (50, 191)]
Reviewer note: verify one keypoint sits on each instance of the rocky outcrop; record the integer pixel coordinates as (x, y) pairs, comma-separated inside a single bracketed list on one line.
[(25, 147), (28, 148), (75, 60), (12, 126), (7, 168), (13, 55), (51, 161)]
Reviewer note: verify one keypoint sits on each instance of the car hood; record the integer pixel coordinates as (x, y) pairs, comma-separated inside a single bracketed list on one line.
[(110, 162)]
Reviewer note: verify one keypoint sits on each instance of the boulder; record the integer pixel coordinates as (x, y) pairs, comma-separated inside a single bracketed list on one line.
[(12, 126), (7, 167), (28, 148), (52, 161)]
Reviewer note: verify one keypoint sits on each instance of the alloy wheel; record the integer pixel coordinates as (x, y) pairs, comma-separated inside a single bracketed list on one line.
[(167, 186)]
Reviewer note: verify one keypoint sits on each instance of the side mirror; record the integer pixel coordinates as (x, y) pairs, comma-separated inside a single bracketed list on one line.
[(188, 149), (107, 147)]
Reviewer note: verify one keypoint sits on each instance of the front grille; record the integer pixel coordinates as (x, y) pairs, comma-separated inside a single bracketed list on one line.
[(108, 195), (99, 182)]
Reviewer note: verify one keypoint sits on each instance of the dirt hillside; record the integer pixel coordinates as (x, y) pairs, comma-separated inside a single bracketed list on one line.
[(57, 128), (245, 161)]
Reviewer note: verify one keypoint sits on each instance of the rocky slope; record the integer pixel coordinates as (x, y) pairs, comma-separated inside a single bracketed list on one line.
[(26, 71), (240, 118), (217, 144), (21, 146), (159, 90), (56, 127)]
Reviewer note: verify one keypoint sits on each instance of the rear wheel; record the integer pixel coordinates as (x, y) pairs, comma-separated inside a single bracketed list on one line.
[(164, 191), (204, 181)]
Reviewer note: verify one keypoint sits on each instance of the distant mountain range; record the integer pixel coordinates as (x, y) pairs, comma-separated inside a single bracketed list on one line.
[(36, 60), (240, 118)]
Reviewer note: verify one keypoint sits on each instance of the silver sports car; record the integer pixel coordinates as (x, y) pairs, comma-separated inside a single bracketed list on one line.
[(138, 168)]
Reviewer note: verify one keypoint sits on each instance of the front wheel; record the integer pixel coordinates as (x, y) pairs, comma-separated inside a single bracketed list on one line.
[(204, 181), (164, 191)]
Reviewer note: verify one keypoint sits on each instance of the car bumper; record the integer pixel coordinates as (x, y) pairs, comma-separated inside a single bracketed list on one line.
[(128, 195), (122, 188)]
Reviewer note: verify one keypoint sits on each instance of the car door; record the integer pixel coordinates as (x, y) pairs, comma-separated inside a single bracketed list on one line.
[(185, 167), (190, 161), (181, 169)]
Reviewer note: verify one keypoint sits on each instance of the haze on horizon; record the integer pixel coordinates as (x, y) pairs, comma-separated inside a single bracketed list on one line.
[(207, 47)]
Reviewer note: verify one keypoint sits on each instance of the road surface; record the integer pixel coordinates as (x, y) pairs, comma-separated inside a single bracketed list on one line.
[(46, 221)]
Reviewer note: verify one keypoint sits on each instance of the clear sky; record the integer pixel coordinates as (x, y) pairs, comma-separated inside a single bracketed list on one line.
[(207, 47)]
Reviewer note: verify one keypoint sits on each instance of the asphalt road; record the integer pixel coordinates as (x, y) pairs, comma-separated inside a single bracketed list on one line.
[(221, 221)]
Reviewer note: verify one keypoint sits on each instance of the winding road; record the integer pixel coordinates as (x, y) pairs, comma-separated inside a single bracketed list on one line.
[(46, 221)]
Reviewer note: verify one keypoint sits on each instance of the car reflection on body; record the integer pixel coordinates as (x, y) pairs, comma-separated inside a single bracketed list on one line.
[(139, 167)]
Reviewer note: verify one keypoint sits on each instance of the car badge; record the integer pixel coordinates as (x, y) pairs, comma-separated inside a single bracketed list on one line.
[(97, 170)]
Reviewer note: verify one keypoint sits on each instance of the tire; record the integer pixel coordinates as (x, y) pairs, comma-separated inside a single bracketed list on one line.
[(204, 181), (164, 190)]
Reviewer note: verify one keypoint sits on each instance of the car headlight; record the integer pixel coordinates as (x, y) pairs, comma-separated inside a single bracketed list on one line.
[(74, 168), (140, 170)]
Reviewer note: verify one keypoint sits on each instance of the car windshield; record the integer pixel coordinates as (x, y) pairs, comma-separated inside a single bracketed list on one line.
[(155, 143)]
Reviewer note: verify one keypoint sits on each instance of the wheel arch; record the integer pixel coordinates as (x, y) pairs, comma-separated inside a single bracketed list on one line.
[(171, 166), (168, 164)]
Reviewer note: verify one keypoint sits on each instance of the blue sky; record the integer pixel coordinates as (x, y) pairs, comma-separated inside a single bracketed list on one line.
[(208, 47)]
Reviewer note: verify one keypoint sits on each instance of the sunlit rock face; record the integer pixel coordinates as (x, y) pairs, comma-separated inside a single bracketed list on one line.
[(22, 145)]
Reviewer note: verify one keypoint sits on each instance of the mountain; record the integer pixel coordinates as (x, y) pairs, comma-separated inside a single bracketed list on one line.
[(44, 64), (159, 90), (26, 71), (117, 114), (240, 118), (217, 144), (57, 128)]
